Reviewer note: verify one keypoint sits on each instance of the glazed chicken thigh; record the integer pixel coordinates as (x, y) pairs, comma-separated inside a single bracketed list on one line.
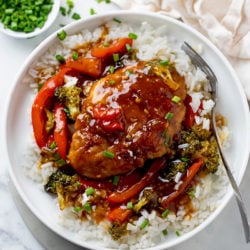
[(128, 117)]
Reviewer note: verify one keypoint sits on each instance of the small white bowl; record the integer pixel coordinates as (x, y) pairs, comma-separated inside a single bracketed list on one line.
[(22, 35)]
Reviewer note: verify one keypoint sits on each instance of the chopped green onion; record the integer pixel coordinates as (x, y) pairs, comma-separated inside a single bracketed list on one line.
[(52, 145), (177, 233), (128, 72), (39, 86), (87, 207), (116, 57), (62, 35), (61, 162), (116, 180), (77, 209), (108, 154), (60, 59), (111, 69), (164, 62), (57, 157), (89, 191), (132, 36), (165, 213), (111, 82), (107, 1), (76, 16), (130, 205), (75, 56), (92, 11), (167, 140), (191, 192), (176, 99), (165, 231), (63, 11), (185, 159), (169, 116), (70, 4), (106, 44), (144, 224), (128, 48), (117, 20)]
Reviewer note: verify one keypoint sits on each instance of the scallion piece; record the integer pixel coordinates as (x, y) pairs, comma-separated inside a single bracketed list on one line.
[(128, 48), (39, 86), (164, 62), (116, 57), (130, 205), (117, 20), (62, 35), (89, 191), (77, 209), (169, 116), (92, 11), (87, 207), (176, 99), (111, 82), (132, 36), (116, 180), (165, 213), (52, 145), (108, 154), (60, 59), (75, 56), (63, 11), (144, 224), (167, 140), (177, 233), (165, 232), (111, 69), (106, 44), (76, 16)]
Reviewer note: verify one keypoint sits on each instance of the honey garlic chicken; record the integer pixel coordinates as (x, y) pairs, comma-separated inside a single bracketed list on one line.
[(128, 117)]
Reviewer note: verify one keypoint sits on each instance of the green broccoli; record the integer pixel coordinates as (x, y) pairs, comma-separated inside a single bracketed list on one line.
[(70, 96)]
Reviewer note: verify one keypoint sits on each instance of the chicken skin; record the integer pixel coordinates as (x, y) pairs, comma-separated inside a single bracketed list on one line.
[(128, 117)]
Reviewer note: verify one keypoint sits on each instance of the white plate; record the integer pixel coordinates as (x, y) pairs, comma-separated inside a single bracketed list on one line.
[(22, 35), (231, 103)]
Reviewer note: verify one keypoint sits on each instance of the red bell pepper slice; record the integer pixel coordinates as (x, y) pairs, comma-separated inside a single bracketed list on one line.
[(118, 46), (191, 172), (88, 66), (119, 197), (61, 130), (38, 115), (119, 214), (110, 119)]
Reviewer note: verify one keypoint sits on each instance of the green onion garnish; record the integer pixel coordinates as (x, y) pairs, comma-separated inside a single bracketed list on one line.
[(117, 20), (116, 180), (116, 57), (164, 62), (144, 224), (70, 4), (165, 231), (63, 11), (52, 145), (111, 82), (129, 48), (169, 116), (76, 16), (60, 59), (132, 36), (191, 192), (87, 207), (177, 233), (75, 56), (165, 213), (108, 154), (167, 140), (89, 191), (61, 162), (111, 69), (176, 99), (130, 205), (92, 11), (185, 159), (106, 44), (62, 35), (77, 209), (39, 86)]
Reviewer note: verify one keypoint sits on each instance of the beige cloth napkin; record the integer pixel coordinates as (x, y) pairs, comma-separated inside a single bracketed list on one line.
[(225, 22)]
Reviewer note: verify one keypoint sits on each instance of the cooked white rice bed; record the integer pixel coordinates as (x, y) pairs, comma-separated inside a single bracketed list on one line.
[(152, 43)]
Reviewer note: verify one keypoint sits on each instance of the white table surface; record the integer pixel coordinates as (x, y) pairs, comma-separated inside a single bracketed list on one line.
[(21, 230)]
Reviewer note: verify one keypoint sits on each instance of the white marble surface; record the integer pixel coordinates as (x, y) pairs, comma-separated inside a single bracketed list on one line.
[(20, 229)]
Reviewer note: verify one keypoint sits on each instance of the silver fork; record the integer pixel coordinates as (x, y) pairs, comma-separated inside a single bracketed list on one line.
[(198, 61)]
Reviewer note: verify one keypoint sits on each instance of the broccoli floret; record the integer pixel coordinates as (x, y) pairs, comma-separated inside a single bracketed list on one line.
[(175, 167), (70, 96), (117, 229)]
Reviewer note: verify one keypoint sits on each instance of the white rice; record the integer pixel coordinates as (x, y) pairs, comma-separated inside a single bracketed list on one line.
[(152, 43)]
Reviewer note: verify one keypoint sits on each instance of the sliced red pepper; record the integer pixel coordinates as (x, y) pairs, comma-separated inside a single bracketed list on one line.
[(88, 66), (119, 214), (38, 115), (118, 46), (110, 119), (61, 130), (190, 174), (119, 197)]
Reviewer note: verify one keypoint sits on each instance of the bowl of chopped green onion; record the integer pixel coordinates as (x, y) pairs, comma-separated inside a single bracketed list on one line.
[(27, 18)]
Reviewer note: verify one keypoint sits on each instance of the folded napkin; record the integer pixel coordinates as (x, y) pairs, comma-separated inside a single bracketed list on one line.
[(225, 22)]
